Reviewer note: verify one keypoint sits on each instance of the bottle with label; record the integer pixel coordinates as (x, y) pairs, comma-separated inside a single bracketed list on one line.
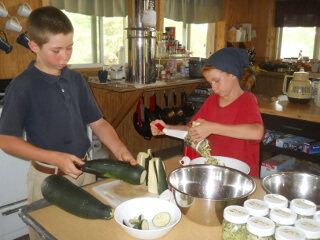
[(310, 227), (234, 223), (303, 208), (256, 207), (283, 217), (260, 228), (289, 233), (275, 201)]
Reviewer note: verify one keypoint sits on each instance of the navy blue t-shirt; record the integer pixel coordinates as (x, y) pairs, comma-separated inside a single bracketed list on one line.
[(53, 110)]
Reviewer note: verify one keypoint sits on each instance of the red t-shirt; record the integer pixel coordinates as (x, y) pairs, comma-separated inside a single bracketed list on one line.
[(244, 110)]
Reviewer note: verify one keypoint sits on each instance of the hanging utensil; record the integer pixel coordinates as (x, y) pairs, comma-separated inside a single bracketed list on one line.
[(187, 107), (179, 118), (170, 114)]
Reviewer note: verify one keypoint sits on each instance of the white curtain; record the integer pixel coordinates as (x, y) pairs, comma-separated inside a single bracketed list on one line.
[(106, 8), (194, 11)]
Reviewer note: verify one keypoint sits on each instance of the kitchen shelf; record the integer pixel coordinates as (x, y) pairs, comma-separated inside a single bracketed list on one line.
[(300, 155)]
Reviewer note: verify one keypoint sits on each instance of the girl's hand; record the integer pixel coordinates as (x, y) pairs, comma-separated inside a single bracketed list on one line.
[(201, 131), (154, 130)]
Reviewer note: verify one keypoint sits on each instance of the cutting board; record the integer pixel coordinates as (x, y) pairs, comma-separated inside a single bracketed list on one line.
[(116, 192)]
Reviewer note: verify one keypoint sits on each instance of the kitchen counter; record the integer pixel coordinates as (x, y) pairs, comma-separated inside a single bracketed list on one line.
[(53, 223)]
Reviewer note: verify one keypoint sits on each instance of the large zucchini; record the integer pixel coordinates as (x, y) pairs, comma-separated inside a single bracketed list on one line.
[(116, 169), (61, 192)]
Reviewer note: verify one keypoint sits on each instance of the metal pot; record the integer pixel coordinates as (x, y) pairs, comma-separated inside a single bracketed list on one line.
[(203, 191), (195, 67)]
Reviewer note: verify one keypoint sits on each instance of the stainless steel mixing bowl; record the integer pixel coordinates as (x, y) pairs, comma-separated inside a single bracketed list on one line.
[(294, 185), (203, 191)]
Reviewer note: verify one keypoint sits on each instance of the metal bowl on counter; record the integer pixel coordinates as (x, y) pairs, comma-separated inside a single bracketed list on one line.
[(294, 185), (203, 191)]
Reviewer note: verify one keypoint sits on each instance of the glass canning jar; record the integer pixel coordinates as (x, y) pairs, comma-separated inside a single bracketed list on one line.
[(303, 207), (260, 228)]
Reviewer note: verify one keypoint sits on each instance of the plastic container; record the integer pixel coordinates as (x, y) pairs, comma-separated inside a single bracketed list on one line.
[(303, 207), (234, 223), (256, 207), (289, 233), (260, 228), (275, 201), (283, 217), (310, 227)]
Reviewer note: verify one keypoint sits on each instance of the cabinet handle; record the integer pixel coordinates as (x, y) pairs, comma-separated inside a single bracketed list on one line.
[(292, 128)]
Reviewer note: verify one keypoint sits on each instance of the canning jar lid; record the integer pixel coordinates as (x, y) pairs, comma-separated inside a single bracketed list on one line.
[(236, 214), (256, 207), (289, 233), (275, 200), (283, 216), (303, 207), (261, 226), (317, 216), (310, 227)]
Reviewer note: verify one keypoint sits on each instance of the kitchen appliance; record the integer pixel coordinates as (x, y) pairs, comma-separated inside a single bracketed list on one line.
[(13, 192), (195, 67), (298, 88), (141, 36)]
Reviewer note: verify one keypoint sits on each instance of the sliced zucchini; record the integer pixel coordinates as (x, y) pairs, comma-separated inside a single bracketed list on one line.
[(161, 219), (126, 223), (144, 224), (152, 177), (161, 176)]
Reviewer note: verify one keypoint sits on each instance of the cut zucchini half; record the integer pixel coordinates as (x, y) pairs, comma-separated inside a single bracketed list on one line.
[(144, 224), (161, 219)]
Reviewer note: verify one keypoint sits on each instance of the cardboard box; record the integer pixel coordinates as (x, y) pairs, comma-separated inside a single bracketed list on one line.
[(311, 147), (277, 164), (287, 139)]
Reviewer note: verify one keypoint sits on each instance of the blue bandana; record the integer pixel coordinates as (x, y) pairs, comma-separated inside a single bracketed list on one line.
[(230, 60)]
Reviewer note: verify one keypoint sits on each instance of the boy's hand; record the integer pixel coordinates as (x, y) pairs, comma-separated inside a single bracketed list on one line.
[(66, 163), (127, 157)]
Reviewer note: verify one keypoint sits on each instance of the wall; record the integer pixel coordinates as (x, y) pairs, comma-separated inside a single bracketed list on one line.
[(260, 15), (18, 59)]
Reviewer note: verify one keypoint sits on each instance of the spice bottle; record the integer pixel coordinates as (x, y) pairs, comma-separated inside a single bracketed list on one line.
[(275, 201), (310, 227), (289, 233), (283, 217), (234, 223), (256, 207), (303, 207), (260, 228)]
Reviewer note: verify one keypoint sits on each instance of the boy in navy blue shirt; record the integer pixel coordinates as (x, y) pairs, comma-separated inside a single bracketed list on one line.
[(54, 105)]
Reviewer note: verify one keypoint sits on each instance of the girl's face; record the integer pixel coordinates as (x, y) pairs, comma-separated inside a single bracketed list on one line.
[(222, 83)]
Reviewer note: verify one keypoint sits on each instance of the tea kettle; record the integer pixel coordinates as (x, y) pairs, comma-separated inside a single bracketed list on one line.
[(299, 89)]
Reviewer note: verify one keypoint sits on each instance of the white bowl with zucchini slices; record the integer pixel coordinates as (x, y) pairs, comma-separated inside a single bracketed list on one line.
[(147, 217)]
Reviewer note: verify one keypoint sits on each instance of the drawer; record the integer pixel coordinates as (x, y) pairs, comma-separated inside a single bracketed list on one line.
[(293, 126)]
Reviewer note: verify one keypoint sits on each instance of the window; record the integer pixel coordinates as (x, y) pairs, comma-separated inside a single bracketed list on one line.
[(293, 39), (192, 36), (92, 32)]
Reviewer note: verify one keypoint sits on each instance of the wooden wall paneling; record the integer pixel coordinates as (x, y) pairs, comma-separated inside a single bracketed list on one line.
[(18, 59), (160, 14)]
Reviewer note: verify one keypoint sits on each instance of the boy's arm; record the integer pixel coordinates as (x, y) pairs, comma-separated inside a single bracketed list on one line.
[(20, 148), (106, 133)]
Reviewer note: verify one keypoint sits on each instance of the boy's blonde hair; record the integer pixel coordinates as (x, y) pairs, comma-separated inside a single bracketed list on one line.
[(247, 79), (47, 20)]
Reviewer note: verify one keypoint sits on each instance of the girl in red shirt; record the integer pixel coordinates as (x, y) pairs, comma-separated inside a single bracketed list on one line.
[(229, 118)]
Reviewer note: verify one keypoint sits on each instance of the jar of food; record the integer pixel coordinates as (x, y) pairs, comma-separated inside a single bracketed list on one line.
[(260, 228), (256, 207), (275, 201), (234, 223), (317, 216), (303, 208), (283, 216), (289, 233), (310, 227)]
